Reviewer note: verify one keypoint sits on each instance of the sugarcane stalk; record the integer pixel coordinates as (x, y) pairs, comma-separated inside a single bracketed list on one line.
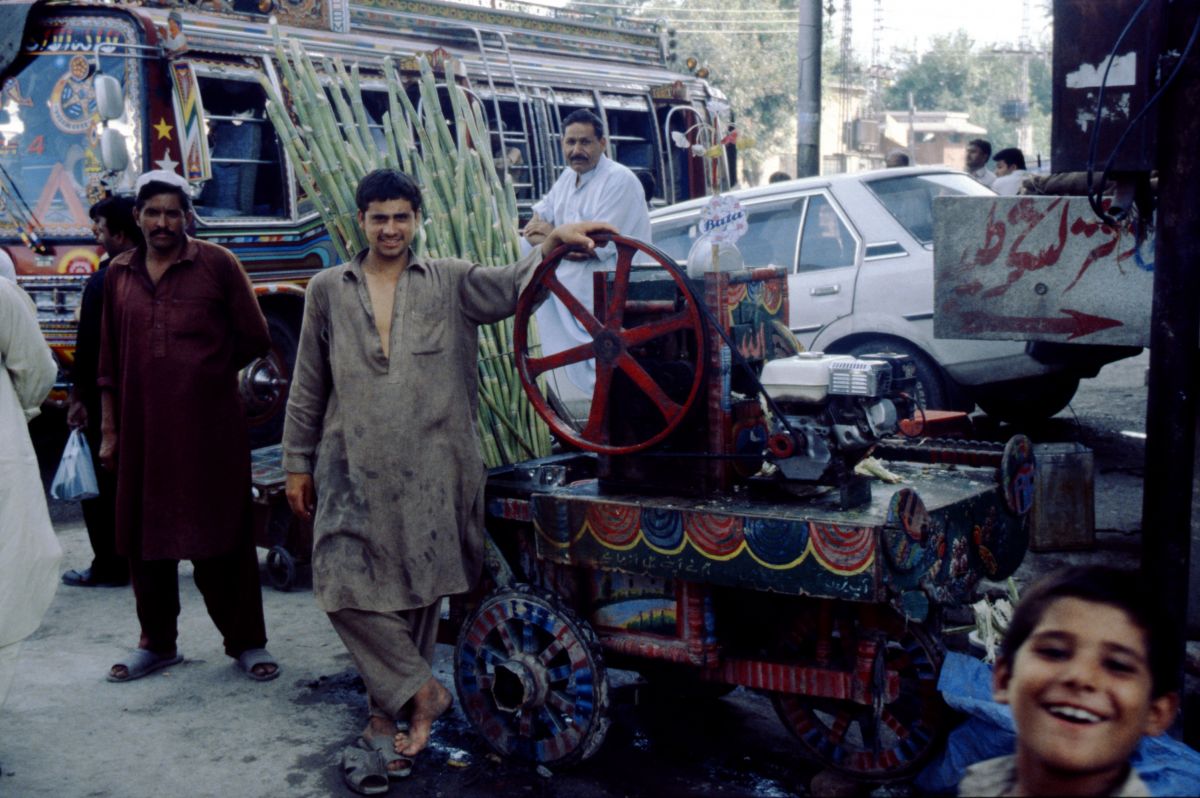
[(470, 208)]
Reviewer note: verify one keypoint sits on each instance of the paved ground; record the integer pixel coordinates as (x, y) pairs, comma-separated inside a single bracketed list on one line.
[(204, 729)]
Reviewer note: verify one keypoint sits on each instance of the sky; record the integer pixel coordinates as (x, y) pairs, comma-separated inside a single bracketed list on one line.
[(907, 25)]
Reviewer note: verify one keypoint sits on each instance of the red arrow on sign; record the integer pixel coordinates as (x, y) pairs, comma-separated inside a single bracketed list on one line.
[(1076, 324)]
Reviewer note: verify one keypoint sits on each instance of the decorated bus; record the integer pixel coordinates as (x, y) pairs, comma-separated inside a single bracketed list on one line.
[(94, 94)]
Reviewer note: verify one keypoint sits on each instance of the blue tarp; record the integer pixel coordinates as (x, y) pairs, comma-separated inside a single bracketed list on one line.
[(1167, 766)]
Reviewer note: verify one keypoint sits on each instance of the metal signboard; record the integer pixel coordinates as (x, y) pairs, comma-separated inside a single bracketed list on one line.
[(1039, 268), (1087, 55)]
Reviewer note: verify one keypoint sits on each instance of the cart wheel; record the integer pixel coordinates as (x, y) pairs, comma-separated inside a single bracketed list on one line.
[(612, 347), (531, 677), (888, 741), (281, 568)]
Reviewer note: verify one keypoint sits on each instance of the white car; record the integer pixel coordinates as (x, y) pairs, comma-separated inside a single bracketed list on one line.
[(859, 250)]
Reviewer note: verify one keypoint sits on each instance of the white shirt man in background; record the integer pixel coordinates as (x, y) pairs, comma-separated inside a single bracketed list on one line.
[(594, 188), (30, 550), (1010, 171), (979, 151)]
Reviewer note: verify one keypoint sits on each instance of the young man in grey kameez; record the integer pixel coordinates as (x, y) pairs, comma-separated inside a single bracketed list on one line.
[(381, 448)]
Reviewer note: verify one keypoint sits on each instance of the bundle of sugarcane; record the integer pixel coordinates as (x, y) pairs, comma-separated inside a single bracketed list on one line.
[(470, 210)]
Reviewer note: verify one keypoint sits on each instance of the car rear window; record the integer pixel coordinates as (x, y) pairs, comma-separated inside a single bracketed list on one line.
[(770, 238), (910, 198)]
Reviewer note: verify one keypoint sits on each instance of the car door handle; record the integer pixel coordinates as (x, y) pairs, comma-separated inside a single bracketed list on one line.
[(825, 290)]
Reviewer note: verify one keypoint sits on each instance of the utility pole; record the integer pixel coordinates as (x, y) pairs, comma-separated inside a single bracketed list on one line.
[(808, 105)]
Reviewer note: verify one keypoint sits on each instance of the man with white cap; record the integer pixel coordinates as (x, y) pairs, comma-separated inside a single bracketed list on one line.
[(179, 320)]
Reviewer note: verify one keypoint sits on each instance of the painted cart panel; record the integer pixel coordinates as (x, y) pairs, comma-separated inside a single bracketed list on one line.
[(934, 535)]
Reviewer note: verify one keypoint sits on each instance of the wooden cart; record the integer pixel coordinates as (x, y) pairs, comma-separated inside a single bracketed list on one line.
[(688, 560)]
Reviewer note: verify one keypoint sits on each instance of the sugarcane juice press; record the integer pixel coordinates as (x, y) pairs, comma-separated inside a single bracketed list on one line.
[(708, 528)]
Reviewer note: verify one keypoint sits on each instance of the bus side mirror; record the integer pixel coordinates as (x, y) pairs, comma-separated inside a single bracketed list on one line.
[(110, 98), (113, 154)]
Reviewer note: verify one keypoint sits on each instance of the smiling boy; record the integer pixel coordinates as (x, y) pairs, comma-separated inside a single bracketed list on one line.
[(1089, 667)]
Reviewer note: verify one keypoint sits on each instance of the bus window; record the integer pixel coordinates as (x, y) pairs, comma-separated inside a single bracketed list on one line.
[(247, 172), (510, 142), (375, 102), (632, 138)]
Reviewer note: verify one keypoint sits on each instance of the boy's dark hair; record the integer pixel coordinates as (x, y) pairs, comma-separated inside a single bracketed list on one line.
[(382, 185), (984, 146), (1011, 156), (1125, 590), (154, 188), (583, 116), (117, 213)]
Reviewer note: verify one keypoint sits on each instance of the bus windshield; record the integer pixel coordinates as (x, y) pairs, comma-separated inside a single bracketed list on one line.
[(50, 169)]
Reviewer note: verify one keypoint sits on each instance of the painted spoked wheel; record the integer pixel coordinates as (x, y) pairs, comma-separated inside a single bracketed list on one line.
[(614, 346), (531, 678), (883, 741)]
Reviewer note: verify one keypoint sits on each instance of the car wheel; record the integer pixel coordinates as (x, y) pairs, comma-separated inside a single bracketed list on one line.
[(1033, 399), (931, 387)]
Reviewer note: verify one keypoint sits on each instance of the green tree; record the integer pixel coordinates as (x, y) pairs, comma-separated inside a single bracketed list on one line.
[(756, 71), (956, 75), (749, 50)]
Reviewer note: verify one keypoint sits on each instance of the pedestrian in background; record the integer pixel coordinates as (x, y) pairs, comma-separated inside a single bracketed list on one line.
[(116, 231), (180, 320), (1010, 171), (381, 441), (29, 551), (978, 153)]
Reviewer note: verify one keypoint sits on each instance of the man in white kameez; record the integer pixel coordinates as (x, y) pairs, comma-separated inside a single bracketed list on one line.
[(29, 551), (594, 188)]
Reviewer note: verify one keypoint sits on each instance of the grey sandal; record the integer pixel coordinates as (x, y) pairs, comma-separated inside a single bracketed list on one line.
[(386, 748), (141, 662), (364, 771), (249, 659)]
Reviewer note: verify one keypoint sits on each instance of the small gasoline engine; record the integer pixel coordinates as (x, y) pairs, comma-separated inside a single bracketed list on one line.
[(836, 407)]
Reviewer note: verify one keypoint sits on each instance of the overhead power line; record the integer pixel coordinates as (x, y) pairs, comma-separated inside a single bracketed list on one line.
[(763, 32), (781, 12)]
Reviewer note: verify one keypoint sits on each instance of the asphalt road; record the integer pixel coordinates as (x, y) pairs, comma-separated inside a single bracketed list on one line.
[(204, 729)]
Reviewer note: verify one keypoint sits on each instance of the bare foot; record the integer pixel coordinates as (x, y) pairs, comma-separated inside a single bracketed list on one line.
[(429, 703)]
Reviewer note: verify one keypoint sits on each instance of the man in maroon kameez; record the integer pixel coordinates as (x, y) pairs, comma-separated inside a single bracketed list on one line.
[(179, 320)]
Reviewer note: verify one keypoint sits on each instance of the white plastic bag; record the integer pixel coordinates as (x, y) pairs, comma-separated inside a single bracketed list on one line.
[(75, 479)]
